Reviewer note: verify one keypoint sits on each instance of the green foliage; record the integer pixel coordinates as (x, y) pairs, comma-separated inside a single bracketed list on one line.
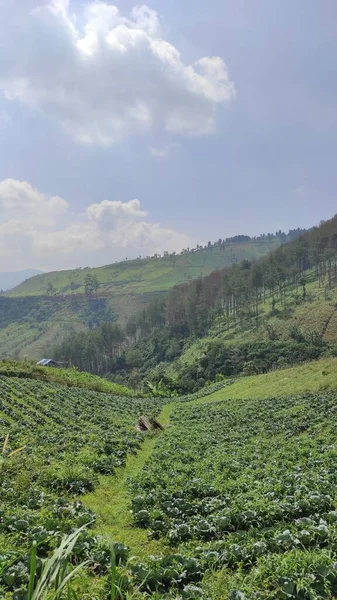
[(90, 284), (257, 306), (248, 489), (245, 359), (45, 310), (238, 497), (71, 436), (152, 274), (56, 572), (69, 377)]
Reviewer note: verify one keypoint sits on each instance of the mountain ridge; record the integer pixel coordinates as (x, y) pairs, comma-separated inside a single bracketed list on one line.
[(45, 309)]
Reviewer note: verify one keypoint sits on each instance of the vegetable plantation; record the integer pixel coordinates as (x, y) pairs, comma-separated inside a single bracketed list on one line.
[(68, 437), (245, 493), (238, 496)]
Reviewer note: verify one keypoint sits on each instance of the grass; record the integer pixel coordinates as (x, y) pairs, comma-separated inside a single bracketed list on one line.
[(69, 377), (320, 375), (111, 500), (145, 275), (111, 504)]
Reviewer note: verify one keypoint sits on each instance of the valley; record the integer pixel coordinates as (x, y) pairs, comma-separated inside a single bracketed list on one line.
[(234, 495), (247, 319), (168, 300)]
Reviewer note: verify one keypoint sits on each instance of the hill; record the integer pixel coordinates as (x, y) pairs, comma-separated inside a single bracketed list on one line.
[(249, 318), (11, 279), (298, 330), (143, 276), (43, 310), (236, 499)]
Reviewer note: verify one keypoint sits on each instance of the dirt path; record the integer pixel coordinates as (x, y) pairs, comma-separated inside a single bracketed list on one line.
[(111, 500)]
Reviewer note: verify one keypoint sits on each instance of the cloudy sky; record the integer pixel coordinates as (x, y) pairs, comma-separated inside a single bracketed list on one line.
[(130, 129)]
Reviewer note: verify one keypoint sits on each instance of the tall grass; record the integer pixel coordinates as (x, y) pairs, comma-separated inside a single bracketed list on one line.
[(55, 581), (57, 571)]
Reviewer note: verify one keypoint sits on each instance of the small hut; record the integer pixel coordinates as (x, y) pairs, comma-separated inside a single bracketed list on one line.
[(47, 362), (145, 424)]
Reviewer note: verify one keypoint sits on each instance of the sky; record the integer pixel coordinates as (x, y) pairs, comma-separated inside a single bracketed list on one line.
[(128, 129)]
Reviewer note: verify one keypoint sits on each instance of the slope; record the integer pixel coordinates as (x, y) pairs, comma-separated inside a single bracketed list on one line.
[(45, 309), (66, 377), (236, 499), (69, 437), (143, 276), (296, 324), (246, 497), (250, 318)]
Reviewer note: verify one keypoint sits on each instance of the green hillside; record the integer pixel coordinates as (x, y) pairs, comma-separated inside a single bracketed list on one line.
[(67, 377), (294, 322), (235, 499), (246, 497), (250, 318), (143, 276), (43, 310)]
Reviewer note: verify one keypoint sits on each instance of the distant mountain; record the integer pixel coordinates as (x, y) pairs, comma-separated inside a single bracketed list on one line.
[(13, 278)]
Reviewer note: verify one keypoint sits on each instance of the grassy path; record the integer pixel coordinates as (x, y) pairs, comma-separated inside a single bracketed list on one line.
[(110, 501)]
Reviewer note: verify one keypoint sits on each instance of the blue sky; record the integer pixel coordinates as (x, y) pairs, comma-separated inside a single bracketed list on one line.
[(114, 142)]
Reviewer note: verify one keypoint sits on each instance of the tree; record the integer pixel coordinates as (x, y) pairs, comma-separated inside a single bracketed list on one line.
[(90, 284), (51, 290)]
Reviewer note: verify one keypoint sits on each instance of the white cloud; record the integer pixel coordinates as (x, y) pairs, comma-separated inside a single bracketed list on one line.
[(163, 151), (105, 76), (40, 230)]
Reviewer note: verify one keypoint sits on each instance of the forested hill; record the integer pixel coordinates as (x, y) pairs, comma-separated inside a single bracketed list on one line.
[(250, 317), (47, 308)]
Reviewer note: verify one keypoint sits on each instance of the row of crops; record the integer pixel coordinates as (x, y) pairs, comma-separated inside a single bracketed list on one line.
[(241, 495), (244, 493), (70, 437)]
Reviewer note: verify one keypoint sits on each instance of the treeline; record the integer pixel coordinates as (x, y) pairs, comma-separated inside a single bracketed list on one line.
[(234, 294), (292, 234), (239, 239), (96, 351)]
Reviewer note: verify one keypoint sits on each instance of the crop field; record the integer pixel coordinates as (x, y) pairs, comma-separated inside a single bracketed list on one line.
[(235, 499), (69, 377), (245, 494), (70, 437)]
